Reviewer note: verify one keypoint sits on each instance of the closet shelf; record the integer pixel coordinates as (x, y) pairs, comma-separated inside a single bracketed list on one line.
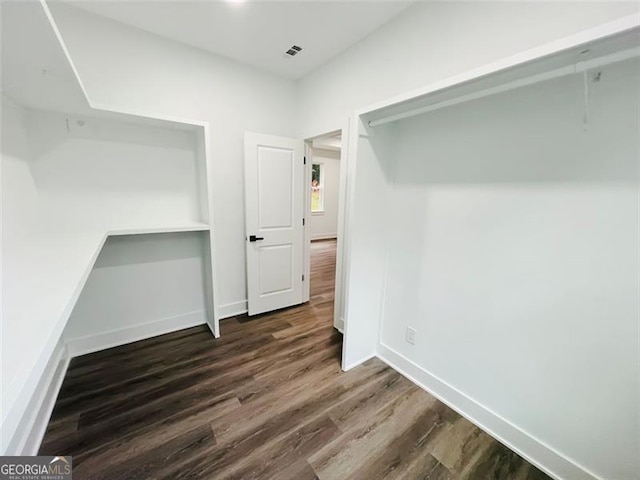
[(187, 227), (44, 276)]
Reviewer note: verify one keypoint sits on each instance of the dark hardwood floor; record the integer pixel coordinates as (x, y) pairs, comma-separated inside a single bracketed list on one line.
[(266, 400)]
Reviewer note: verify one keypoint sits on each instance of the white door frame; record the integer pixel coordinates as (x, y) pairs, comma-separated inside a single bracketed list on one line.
[(308, 156), (338, 314), (340, 295)]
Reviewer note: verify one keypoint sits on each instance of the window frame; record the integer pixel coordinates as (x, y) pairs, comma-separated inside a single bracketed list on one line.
[(321, 210)]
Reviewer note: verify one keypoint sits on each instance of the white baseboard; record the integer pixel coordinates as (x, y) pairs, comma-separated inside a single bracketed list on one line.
[(232, 309), (533, 450), (32, 426), (114, 338), (339, 324), (359, 362), (323, 236)]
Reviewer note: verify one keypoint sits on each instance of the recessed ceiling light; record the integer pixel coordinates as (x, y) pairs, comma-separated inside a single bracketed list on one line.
[(236, 2)]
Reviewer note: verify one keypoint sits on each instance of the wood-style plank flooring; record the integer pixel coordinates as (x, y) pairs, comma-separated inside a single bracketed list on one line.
[(265, 401)]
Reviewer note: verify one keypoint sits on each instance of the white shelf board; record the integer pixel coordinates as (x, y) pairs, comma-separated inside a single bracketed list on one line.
[(47, 273), (190, 227), (577, 51)]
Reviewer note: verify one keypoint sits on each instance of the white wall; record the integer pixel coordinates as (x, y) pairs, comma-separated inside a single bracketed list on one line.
[(325, 224), (19, 192), (514, 254), (128, 68), (431, 41), (138, 284), (109, 175), (20, 218)]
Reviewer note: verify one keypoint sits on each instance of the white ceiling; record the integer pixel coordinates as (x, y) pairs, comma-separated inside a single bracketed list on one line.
[(332, 141), (256, 32)]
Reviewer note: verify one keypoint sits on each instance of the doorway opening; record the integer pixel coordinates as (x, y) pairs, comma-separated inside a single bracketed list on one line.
[(323, 177), (293, 191)]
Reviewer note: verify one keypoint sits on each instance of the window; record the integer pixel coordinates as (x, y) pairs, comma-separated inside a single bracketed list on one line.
[(317, 188)]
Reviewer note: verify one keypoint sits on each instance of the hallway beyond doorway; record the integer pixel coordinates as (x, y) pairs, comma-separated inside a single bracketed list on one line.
[(323, 268)]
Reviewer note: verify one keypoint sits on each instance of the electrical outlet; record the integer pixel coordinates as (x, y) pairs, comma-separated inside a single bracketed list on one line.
[(411, 335)]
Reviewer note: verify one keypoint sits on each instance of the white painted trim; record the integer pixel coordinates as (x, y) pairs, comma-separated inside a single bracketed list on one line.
[(233, 309), (543, 456), (306, 239), (323, 236), (102, 341), (338, 324), (341, 252), (358, 363), (213, 257), (32, 426), (348, 171)]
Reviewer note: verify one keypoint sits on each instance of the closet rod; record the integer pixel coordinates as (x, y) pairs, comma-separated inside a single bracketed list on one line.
[(578, 67)]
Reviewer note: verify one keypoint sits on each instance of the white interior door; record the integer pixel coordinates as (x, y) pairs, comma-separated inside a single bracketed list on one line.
[(275, 206)]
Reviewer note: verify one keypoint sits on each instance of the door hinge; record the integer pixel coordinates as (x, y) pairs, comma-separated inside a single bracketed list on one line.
[(303, 277), (303, 222), (304, 159)]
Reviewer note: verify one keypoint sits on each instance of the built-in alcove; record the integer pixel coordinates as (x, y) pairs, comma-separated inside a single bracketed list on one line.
[(140, 286), (494, 252), (98, 172), (79, 186), (75, 183)]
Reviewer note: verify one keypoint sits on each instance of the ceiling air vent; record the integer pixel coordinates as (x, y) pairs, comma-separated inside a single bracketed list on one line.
[(293, 51)]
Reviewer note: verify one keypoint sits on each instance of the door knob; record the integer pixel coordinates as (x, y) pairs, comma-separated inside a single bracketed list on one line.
[(253, 238)]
